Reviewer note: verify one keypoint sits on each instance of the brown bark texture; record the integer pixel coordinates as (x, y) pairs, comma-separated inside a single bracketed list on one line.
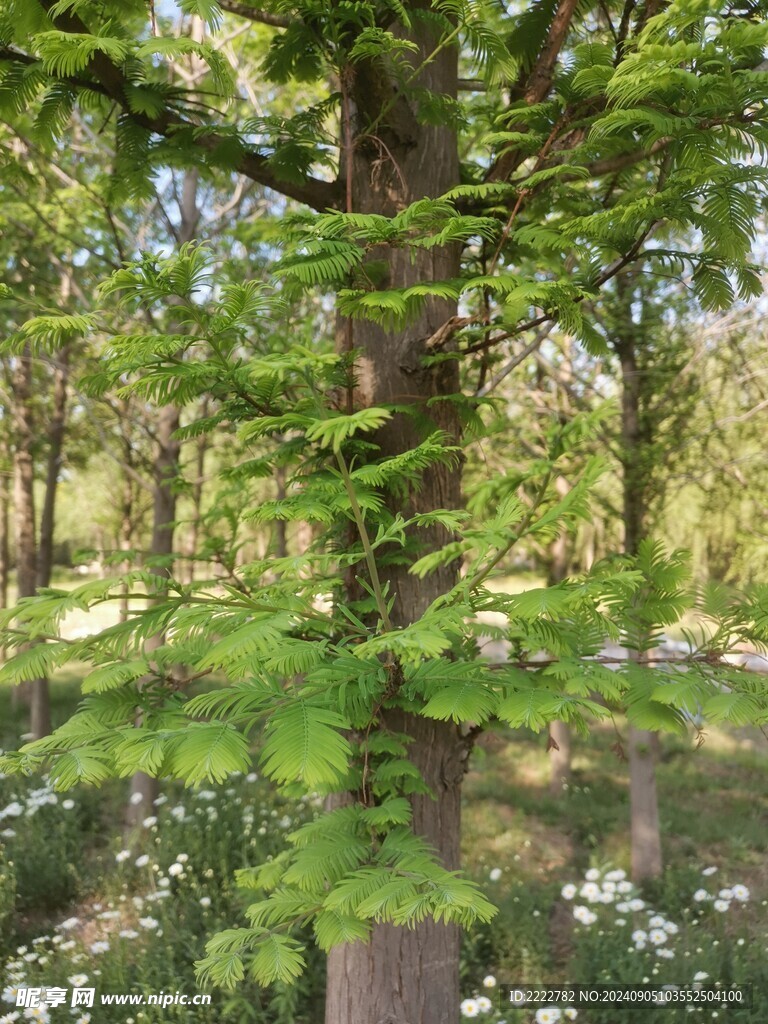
[(645, 831), (408, 976)]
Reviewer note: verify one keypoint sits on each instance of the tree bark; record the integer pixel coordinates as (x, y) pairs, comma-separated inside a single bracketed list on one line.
[(645, 832), (559, 757), (40, 710), (644, 807), (403, 975), (144, 788), (161, 549), (5, 500), (280, 534), (36, 692), (559, 732), (201, 450), (56, 431), (407, 976)]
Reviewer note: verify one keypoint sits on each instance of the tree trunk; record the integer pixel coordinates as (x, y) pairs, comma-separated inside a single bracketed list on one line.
[(407, 976), (201, 449), (559, 757), (126, 536), (161, 548), (645, 833), (24, 477), (5, 501), (644, 807), (40, 718), (56, 430), (559, 733), (280, 535), (144, 788), (36, 692)]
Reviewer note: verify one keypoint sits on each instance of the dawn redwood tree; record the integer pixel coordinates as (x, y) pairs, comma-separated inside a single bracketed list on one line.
[(582, 104)]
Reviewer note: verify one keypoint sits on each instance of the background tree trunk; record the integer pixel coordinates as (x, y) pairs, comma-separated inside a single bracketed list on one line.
[(201, 450), (560, 771), (559, 732), (408, 976), (644, 806), (40, 723), (5, 501), (645, 831), (36, 692), (144, 788)]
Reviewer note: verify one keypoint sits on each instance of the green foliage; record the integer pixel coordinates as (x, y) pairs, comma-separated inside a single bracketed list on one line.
[(317, 683), (615, 149)]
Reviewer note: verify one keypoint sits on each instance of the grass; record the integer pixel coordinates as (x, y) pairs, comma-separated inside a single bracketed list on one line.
[(713, 804), (714, 811)]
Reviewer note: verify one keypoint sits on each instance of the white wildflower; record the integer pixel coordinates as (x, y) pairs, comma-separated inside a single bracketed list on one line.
[(547, 1015), (584, 915), (590, 891)]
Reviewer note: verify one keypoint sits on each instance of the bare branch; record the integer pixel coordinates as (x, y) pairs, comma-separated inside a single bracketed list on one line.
[(254, 14), (515, 361)]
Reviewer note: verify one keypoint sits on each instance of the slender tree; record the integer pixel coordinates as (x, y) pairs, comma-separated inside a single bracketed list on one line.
[(613, 99)]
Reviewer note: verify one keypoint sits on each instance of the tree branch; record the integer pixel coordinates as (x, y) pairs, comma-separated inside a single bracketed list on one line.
[(109, 79), (539, 83), (254, 14)]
